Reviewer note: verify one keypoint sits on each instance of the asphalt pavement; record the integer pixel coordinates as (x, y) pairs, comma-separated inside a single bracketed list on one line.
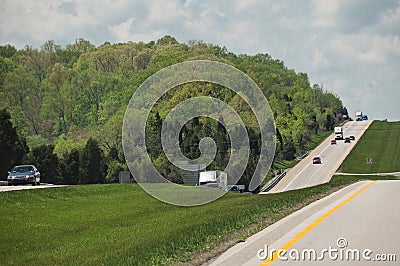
[(307, 174), (357, 225), (23, 187)]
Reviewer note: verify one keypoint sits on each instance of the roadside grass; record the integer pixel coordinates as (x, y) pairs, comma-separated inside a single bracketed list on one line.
[(121, 224), (316, 139), (381, 142), (285, 164)]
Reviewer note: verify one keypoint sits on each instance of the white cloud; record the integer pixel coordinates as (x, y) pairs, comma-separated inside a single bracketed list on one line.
[(324, 13), (122, 31), (319, 60)]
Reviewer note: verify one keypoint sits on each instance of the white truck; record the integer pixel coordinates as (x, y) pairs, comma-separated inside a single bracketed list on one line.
[(338, 133), (359, 116)]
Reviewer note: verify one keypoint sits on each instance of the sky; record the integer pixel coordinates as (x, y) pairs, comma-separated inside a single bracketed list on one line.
[(351, 48)]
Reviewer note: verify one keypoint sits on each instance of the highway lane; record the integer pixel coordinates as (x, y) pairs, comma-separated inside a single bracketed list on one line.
[(369, 221), (359, 218), (23, 187), (307, 174)]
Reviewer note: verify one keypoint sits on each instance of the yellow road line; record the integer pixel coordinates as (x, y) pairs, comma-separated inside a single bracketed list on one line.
[(291, 242)]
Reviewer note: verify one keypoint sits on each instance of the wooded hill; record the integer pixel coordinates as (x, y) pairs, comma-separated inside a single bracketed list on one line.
[(65, 95)]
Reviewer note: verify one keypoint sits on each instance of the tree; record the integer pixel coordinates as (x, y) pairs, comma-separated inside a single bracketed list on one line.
[(12, 147), (166, 40), (81, 45), (92, 163), (329, 123), (47, 163), (20, 91), (58, 98), (70, 168), (222, 142), (6, 65), (7, 51)]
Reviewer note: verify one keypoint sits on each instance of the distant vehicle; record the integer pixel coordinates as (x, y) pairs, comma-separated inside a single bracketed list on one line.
[(24, 174), (333, 142), (338, 133), (359, 116), (364, 117), (211, 185), (233, 188), (352, 138), (316, 160), (347, 140)]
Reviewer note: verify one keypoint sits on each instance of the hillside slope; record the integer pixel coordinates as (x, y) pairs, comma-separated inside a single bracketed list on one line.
[(381, 142)]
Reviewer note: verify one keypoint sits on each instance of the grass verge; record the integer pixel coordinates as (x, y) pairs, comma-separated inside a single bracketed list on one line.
[(381, 142), (316, 139), (121, 224)]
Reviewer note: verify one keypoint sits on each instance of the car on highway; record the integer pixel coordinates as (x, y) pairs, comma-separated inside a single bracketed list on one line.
[(352, 138), (316, 160), (232, 188), (347, 140), (333, 142), (24, 174)]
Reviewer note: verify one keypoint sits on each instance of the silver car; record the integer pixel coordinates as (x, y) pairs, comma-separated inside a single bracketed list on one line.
[(24, 174)]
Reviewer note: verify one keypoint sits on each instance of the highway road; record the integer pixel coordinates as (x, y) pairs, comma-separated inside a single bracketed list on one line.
[(23, 187), (357, 225), (307, 174)]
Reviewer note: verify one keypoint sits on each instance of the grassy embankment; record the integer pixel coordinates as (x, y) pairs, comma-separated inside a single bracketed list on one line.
[(381, 142)]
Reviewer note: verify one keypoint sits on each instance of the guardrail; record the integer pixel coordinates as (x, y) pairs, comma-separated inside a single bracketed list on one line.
[(344, 122), (301, 157), (273, 182)]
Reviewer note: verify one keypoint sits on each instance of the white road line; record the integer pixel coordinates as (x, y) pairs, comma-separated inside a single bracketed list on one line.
[(304, 168)]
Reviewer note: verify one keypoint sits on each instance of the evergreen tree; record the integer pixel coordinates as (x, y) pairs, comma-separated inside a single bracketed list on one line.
[(70, 168), (47, 163), (12, 147), (329, 124), (222, 141), (92, 164)]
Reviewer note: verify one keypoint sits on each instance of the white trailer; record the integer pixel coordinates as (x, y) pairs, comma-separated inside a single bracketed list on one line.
[(359, 116), (338, 133)]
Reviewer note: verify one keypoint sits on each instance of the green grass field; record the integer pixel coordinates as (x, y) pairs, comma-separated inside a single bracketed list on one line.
[(316, 139), (121, 224), (381, 142)]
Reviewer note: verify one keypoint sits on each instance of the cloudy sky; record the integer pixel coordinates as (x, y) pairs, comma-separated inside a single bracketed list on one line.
[(351, 47)]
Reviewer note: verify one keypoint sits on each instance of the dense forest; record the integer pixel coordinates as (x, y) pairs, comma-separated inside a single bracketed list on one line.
[(65, 105)]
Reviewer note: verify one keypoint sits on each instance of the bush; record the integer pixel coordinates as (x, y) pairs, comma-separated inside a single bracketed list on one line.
[(113, 171), (92, 164), (47, 163)]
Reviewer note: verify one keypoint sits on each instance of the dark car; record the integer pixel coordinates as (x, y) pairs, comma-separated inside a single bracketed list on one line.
[(24, 174), (233, 188), (352, 138), (347, 140), (333, 142), (316, 160)]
